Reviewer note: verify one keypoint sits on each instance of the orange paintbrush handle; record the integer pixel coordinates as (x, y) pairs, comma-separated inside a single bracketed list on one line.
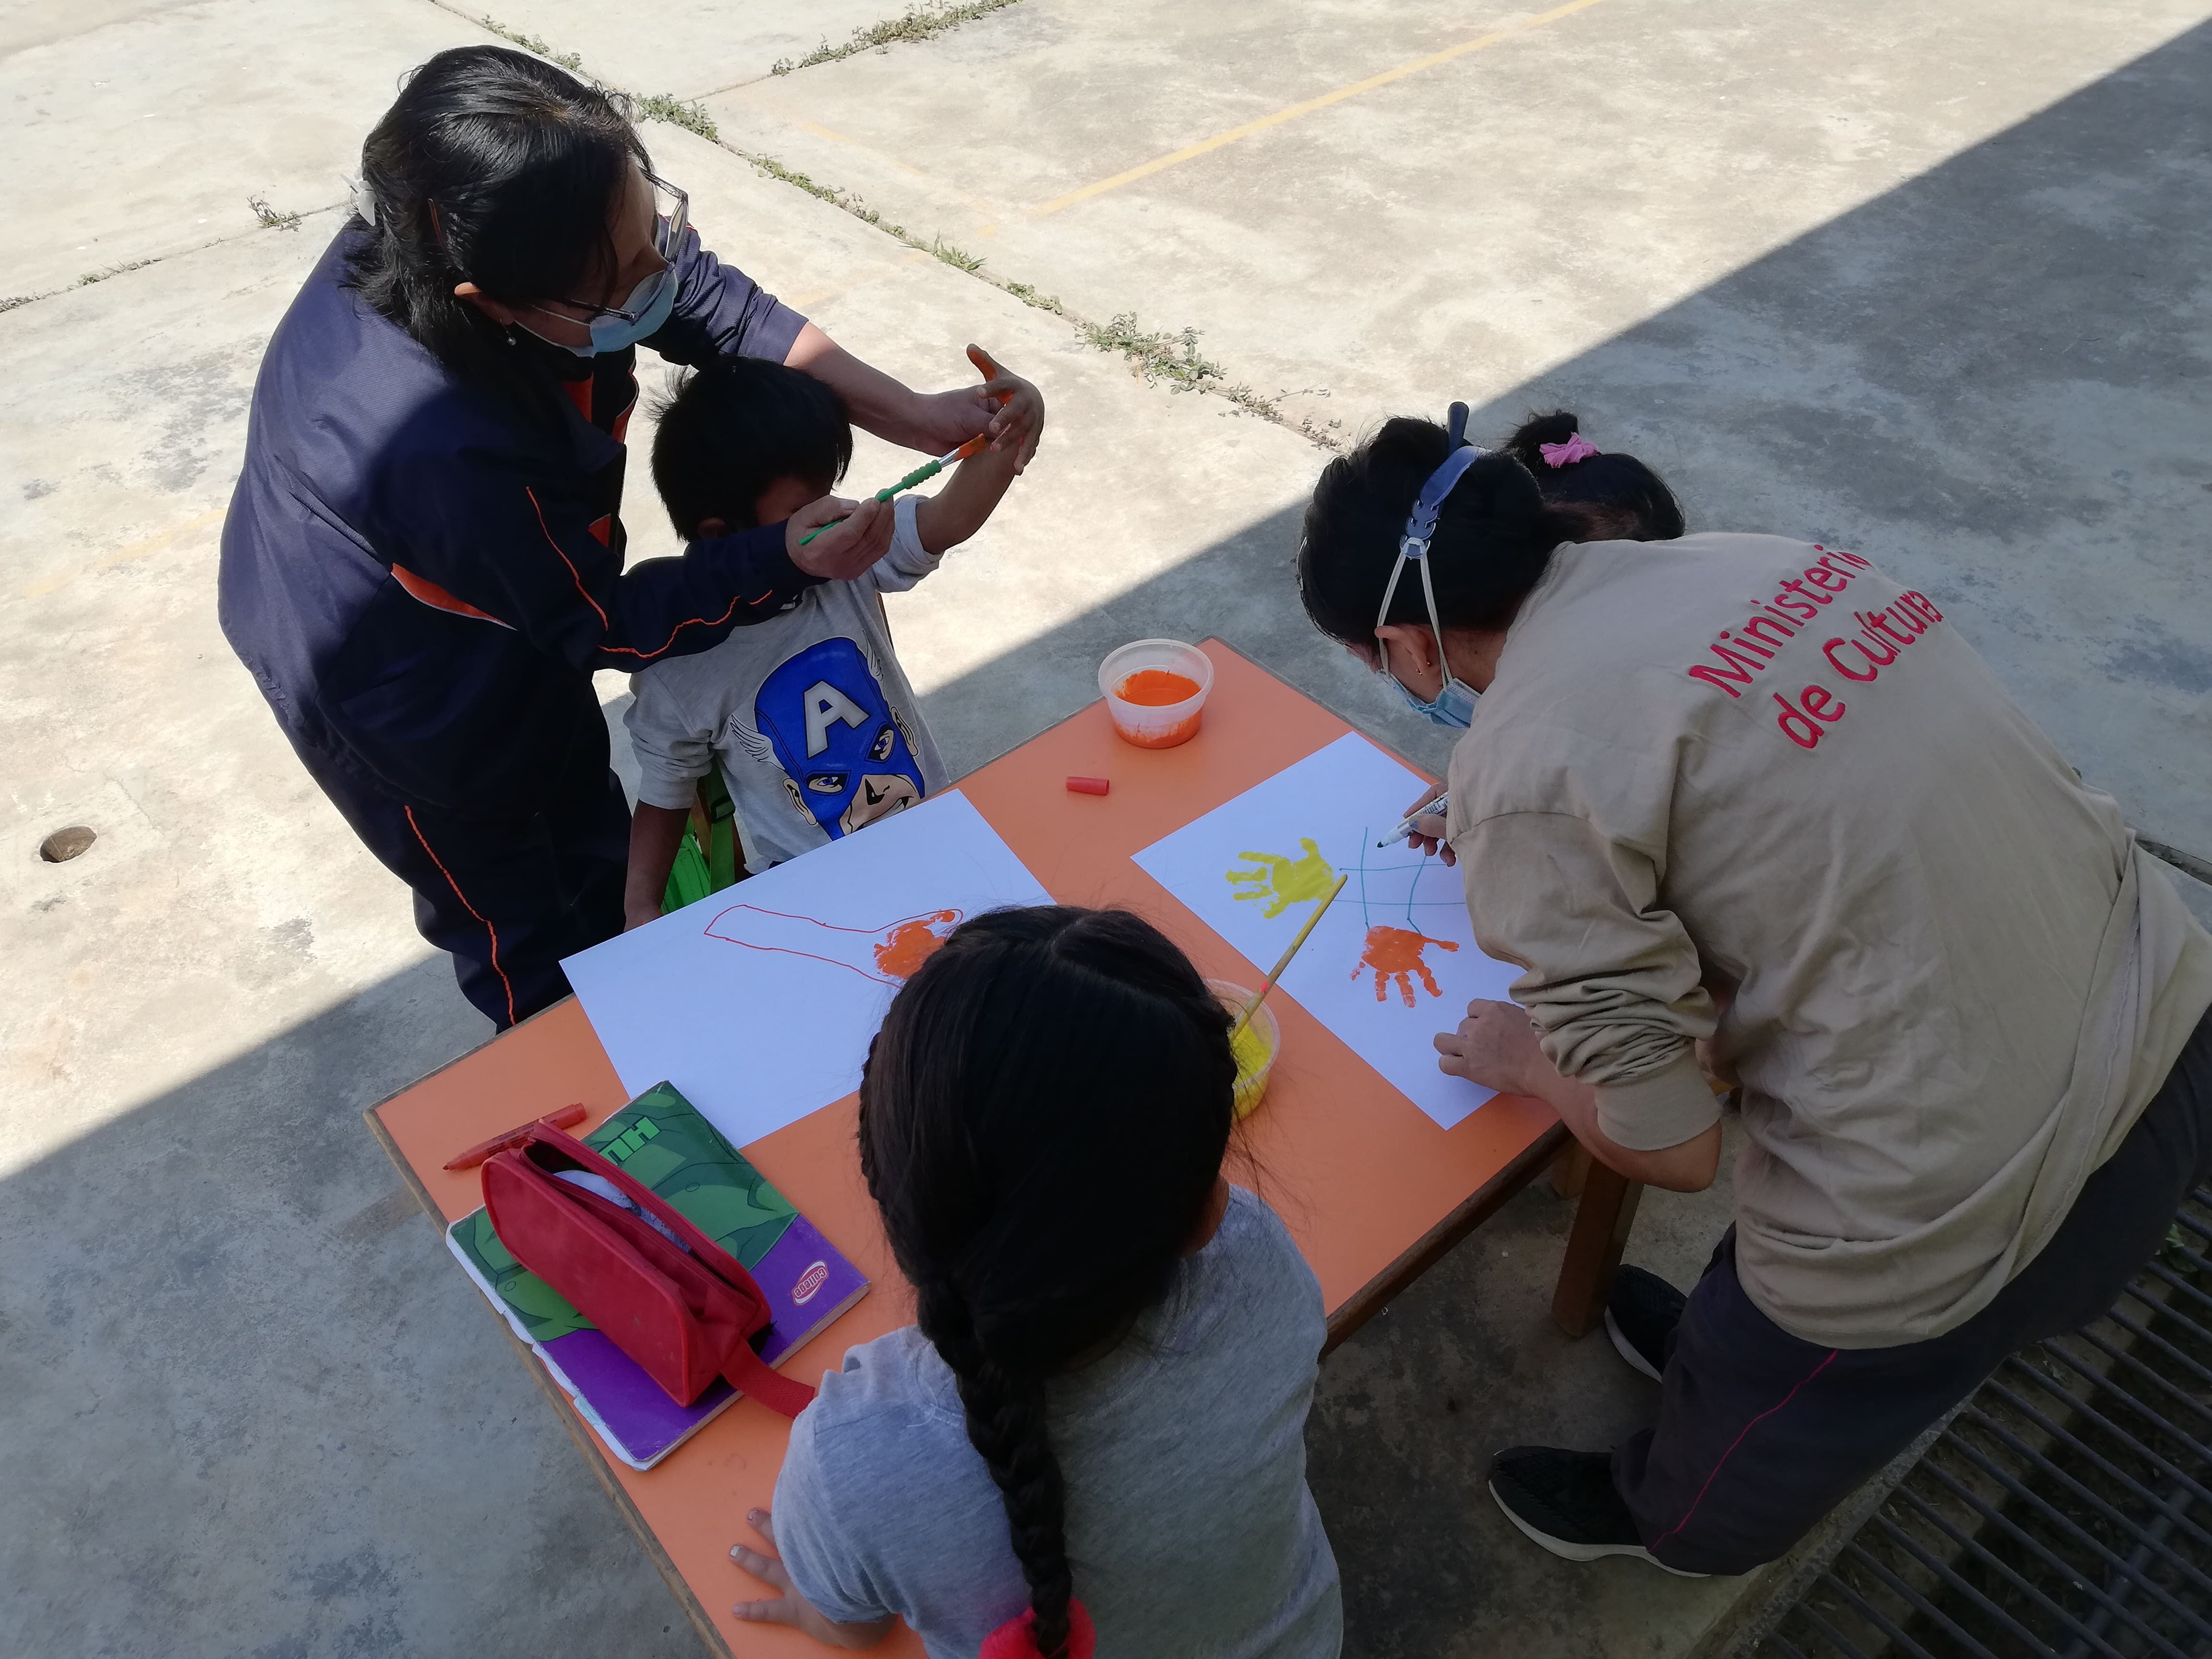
[(567, 1117)]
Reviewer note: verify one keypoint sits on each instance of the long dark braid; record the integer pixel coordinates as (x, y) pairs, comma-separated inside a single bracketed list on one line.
[(1042, 1120), (1007, 1424)]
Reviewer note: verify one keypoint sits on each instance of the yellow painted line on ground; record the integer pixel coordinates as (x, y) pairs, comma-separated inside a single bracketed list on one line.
[(125, 555), (1206, 146)]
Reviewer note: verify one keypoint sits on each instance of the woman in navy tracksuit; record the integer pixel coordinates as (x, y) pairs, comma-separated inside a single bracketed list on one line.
[(424, 562)]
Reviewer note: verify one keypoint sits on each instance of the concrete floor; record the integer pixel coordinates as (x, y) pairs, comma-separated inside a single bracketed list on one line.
[(1925, 284)]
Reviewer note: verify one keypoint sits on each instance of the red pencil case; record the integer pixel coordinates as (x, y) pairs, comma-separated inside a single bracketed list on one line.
[(686, 1315)]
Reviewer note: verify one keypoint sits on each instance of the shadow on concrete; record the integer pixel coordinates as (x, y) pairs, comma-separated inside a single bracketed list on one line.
[(253, 1409)]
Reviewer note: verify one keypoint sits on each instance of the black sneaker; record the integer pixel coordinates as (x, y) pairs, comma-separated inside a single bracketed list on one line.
[(1641, 1311), (1565, 1501)]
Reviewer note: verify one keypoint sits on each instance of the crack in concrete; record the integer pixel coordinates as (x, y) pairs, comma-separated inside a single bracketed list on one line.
[(15, 301)]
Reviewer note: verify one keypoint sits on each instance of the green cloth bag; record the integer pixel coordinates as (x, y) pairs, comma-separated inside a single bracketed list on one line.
[(699, 870)]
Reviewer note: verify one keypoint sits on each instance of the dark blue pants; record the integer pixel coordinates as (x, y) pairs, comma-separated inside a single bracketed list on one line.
[(506, 896), (1760, 1434)]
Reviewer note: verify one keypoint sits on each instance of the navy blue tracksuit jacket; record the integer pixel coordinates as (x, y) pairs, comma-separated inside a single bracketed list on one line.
[(422, 579)]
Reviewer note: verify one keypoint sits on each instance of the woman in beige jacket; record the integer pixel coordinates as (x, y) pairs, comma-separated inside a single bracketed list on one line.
[(1967, 1011)]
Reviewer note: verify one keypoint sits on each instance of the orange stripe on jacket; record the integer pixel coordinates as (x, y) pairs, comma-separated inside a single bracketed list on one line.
[(576, 577), (437, 598), (505, 983)]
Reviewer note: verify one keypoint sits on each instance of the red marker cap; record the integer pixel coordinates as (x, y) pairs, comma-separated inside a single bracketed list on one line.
[(1087, 786)]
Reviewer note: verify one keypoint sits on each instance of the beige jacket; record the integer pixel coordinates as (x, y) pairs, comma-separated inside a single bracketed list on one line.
[(1959, 980)]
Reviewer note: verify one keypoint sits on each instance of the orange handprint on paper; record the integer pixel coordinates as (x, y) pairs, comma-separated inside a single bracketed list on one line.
[(1395, 953), (888, 954), (1283, 882)]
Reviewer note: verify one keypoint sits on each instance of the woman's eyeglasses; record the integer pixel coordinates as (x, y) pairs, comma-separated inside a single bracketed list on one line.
[(671, 217)]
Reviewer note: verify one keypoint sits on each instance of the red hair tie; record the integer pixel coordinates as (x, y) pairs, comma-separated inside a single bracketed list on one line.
[(1016, 1639), (1576, 448)]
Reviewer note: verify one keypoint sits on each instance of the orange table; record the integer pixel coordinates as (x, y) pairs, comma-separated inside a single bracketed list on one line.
[(1372, 1189)]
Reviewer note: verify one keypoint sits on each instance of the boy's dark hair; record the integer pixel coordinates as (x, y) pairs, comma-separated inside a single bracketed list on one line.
[(1620, 498), (736, 427), (494, 168), (1494, 535), (1042, 1119)]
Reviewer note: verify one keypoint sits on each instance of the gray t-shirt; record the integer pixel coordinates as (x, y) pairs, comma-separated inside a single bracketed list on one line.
[(808, 714), (1189, 1525)]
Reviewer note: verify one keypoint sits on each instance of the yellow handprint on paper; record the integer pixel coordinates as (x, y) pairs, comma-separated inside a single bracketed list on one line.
[(1284, 882)]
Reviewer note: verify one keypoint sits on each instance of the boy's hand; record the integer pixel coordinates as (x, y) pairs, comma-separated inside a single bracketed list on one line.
[(845, 550), (1020, 423)]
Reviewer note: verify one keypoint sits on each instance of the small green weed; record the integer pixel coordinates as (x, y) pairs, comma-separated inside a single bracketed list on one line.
[(1260, 405), (568, 60), (959, 258), (1030, 297), (664, 106), (919, 21), (105, 272), (270, 217), (1170, 357)]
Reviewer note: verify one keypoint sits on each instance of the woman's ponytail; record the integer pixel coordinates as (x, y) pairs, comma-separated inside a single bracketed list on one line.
[(1617, 496)]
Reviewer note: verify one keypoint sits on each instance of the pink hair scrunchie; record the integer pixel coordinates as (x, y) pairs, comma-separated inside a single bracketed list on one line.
[(1015, 1639), (1576, 448)]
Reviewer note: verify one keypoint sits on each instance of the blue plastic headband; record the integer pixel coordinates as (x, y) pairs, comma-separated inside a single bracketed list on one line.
[(1421, 523)]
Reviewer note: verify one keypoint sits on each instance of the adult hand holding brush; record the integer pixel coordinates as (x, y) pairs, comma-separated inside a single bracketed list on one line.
[(1021, 438)]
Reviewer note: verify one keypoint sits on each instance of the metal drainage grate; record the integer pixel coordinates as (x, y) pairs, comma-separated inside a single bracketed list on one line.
[(2066, 1510)]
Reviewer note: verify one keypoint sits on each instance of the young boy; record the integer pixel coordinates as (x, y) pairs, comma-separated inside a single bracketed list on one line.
[(808, 715)]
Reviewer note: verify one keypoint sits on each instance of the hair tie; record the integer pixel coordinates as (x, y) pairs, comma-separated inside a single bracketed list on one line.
[(1576, 448), (1015, 1639)]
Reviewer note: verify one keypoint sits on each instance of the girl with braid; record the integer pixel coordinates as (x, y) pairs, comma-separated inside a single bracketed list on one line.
[(1092, 1441)]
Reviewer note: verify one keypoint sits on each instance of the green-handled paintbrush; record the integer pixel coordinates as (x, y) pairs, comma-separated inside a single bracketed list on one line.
[(927, 470), (989, 370)]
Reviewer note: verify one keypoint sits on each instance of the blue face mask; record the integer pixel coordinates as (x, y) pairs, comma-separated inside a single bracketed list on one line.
[(1453, 706), (641, 317)]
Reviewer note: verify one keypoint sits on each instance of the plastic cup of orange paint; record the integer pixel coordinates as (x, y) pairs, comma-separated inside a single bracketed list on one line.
[(1155, 689)]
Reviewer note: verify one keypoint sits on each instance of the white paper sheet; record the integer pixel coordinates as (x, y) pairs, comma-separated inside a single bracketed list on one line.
[(759, 1001), (1393, 961)]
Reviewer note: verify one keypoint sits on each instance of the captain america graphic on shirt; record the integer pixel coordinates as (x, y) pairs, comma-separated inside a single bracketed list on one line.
[(844, 752)]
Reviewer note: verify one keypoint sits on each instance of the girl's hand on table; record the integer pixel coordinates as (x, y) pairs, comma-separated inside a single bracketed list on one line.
[(1429, 831), (790, 1608)]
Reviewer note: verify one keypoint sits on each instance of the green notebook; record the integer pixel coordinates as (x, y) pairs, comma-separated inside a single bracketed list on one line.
[(660, 1140)]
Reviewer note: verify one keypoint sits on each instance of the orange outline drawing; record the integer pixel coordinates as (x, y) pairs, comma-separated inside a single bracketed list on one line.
[(894, 951)]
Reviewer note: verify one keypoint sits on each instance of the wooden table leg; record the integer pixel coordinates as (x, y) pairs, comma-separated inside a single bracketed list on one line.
[(1593, 1246), (1569, 1169)]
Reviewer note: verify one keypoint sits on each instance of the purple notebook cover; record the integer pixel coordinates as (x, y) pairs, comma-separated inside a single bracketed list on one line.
[(807, 1283)]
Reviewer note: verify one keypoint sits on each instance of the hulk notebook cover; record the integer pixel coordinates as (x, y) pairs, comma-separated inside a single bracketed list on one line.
[(660, 1140)]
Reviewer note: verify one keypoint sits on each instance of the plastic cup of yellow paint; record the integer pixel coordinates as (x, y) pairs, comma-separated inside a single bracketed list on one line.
[(1155, 691), (1254, 1048)]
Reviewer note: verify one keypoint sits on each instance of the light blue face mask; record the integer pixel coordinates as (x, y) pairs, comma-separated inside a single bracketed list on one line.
[(650, 303), (648, 307), (1453, 706)]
